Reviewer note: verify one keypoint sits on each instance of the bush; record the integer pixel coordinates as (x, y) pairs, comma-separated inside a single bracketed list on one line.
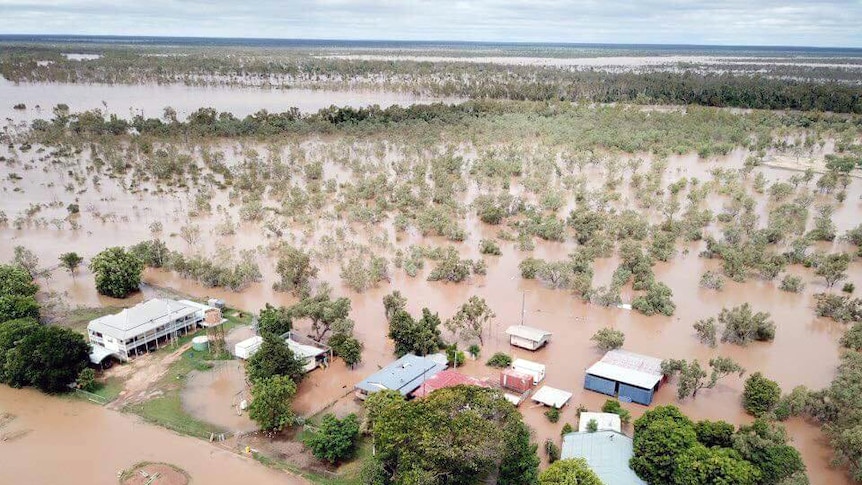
[(571, 471), (848, 288), (87, 380), (852, 338), (614, 406), (608, 339), (566, 429), (553, 414), (488, 246), (552, 450), (500, 360), (792, 284), (712, 281), (592, 426), (117, 272), (335, 439), (658, 299), (760, 395), (741, 325)]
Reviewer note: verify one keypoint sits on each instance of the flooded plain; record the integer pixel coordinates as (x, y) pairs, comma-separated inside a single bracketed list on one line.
[(150, 100), (804, 352)]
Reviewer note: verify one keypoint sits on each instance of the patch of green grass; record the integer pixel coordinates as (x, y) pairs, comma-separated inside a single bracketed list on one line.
[(109, 389), (78, 318), (167, 410)]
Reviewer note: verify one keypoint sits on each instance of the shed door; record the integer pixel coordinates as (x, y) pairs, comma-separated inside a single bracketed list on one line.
[(600, 384), (635, 394)]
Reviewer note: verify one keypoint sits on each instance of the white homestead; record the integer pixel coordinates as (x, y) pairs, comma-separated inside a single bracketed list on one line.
[(144, 326)]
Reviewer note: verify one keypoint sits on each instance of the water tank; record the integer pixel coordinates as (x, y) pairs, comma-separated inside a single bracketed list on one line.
[(200, 343)]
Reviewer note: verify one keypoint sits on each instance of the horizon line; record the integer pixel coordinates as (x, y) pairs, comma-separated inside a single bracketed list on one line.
[(55, 37)]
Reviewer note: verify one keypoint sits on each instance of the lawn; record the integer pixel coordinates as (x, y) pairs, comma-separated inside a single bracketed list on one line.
[(166, 409)]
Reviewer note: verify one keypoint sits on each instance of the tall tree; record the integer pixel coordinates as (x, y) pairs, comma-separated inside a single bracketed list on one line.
[(49, 358), (296, 271), (70, 262), (325, 314), (117, 272), (270, 403), (469, 321), (274, 358)]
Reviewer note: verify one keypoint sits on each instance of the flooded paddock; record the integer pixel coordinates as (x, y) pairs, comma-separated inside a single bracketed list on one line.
[(150, 100), (79, 443), (804, 352), (215, 396)]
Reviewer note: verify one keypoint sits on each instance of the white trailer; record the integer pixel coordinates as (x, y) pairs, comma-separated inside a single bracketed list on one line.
[(532, 368)]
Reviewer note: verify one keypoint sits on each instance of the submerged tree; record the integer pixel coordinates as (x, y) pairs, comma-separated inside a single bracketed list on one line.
[(296, 271), (70, 262), (117, 272), (742, 325), (470, 320), (692, 377), (608, 339)]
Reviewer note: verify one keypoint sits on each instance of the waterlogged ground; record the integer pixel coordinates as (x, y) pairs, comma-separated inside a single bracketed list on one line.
[(149, 101), (73, 442), (804, 352)]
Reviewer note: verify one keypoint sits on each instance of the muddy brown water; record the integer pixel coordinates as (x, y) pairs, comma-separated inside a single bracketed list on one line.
[(805, 350), (79, 443), (149, 100)]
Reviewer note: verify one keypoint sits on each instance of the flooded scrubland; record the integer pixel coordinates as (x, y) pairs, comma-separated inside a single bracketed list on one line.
[(676, 185)]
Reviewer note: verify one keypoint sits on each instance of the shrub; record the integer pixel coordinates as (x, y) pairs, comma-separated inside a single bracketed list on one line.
[(571, 471), (608, 339), (592, 426), (614, 406), (852, 338), (335, 439), (500, 360), (553, 414), (87, 379), (712, 280), (566, 429), (552, 450), (741, 325), (488, 246), (658, 299), (848, 287), (760, 395), (792, 284)]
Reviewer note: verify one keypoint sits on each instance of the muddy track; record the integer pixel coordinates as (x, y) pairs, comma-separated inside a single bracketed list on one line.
[(145, 372)]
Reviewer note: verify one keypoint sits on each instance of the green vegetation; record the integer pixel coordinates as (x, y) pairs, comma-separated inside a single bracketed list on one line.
[(470, 320), (608, 339), (70, 262), (614, 406), (761, 395), (335, 439), (270, 403), (411, 439), (670, 448), (500, 360), (274, 358), (692, 377), (572, 471), (117, 272), (420, 337)]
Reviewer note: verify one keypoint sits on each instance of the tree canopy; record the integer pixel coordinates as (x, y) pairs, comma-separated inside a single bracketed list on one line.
[(117, 272), (274, 358), (571, 471), (271, 401)]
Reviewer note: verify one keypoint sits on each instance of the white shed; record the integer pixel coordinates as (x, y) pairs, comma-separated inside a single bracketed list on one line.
[(528, 367), (246, 348), (604, 421), (553, 397), (527, 337)]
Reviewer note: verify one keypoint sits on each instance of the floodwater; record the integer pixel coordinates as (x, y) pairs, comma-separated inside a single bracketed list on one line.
[(150, 100), (611, 61), (805, 350), (78, 443), (215, 396)]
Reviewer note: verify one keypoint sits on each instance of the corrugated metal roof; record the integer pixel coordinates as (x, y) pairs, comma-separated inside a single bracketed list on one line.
[(623, 366), (551, 396), (404, 375), (529, 333), (141, 318), (606, 452), (446, 378), (604, 421)]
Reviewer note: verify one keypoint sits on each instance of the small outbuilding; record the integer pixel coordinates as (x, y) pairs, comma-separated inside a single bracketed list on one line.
[(527, 337), (529, 367), (606, 452), (629, 376), (246, 348), (551, 396), (405, 375), (311, 353), (604, 421), (517, 381)]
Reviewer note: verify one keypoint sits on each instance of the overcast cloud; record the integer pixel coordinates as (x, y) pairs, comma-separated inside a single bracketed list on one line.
[(728, 22)]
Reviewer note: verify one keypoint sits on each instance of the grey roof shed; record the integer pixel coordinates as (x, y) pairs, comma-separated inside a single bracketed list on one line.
[(606, 452), (404, 375)]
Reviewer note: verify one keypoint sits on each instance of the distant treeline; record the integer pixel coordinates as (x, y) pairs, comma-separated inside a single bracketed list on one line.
[(207, 122), (756, 86)]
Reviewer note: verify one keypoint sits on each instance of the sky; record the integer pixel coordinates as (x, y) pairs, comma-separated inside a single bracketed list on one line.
[(826, 23)]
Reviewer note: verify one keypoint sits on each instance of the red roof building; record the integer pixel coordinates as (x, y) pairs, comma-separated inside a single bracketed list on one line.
[(446, 378)]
